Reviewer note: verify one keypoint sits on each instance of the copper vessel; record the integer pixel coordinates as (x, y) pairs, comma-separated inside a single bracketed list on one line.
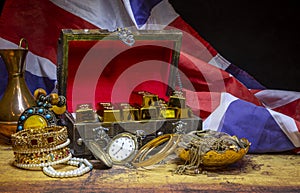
[(17, 97)]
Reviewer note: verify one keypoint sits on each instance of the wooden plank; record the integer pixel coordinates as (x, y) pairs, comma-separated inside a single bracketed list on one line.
[(254, 173)]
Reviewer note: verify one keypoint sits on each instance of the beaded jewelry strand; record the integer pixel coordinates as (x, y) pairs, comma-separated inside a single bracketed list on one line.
[(84, 166)]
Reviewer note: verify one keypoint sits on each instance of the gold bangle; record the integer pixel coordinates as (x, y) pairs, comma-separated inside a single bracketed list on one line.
[(37, 160), (154, 145), (39, 138), (48, 149), (140, 161), (150, 145)]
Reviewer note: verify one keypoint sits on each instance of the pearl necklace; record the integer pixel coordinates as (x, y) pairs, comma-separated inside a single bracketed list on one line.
[(84, 166)]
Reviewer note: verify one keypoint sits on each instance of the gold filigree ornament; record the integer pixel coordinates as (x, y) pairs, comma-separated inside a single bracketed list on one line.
[(209, 149)]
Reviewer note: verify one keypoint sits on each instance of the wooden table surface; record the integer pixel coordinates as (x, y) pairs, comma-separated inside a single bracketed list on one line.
[(254, 173)]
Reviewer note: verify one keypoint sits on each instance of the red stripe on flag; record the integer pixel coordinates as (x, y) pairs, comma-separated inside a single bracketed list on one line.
[(203, 103), (291, 109), (40, 22), (179, 23), (200, 77), (237, 89), (298, 125)]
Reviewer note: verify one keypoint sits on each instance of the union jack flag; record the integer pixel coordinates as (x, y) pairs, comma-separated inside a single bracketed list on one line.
[(224, 96)]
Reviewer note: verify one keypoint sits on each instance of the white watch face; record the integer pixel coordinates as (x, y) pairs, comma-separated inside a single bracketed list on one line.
[(122, 147)]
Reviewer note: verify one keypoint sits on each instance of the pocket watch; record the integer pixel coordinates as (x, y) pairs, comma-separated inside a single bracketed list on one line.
[(122, 148), (99, 153)]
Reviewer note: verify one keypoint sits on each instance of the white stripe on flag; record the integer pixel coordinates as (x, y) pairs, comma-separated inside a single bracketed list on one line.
[(102, 13), (288, 126), (4, 44), (36, 65), (161, 15), (277, 98), (214, 120), (219, 61)]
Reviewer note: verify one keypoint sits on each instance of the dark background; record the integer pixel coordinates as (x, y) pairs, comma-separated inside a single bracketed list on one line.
[(259, 36)]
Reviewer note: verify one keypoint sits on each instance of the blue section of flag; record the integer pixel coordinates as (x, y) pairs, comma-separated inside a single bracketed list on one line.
[(33, 82), (3, 77), (255, 123), (142, 10), (244, 77)]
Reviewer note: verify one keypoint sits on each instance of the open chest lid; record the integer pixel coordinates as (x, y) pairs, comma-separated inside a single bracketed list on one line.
[(100, 66)]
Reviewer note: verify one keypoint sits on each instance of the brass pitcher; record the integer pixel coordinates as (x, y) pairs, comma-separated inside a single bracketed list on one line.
[(17, 97)]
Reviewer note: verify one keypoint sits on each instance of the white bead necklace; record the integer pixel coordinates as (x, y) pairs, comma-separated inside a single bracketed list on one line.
[(84, 166)]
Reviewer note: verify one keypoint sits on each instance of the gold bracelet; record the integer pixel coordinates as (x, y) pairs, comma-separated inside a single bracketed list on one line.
[(37, 160), (155, 144), (39, 138), (40, 150), (150, 145), (140, 161), (163, 153)]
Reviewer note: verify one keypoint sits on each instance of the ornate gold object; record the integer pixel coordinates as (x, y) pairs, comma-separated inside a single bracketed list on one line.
[(129, 113), (85, 113), (214, 158), (53, 101), (43, 157), (146, 106), (177, 102), (40, 147), (147, 113), (147, 103), (167, 113), (210, 149), (36, 117), (108, 112), (35, 121), (17, 96), (38, 138)]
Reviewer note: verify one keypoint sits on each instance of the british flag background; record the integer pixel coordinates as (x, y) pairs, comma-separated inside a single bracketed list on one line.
[(224, 96)]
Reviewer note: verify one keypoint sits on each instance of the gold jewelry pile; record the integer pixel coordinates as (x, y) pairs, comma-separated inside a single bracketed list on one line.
[(45, 147), (199, 149), (40, 147), (204, 149)]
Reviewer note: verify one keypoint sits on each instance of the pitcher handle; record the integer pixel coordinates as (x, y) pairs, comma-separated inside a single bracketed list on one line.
[(21, 42)]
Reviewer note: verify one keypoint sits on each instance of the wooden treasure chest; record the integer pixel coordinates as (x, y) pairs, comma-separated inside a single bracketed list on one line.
[(123, 81)]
